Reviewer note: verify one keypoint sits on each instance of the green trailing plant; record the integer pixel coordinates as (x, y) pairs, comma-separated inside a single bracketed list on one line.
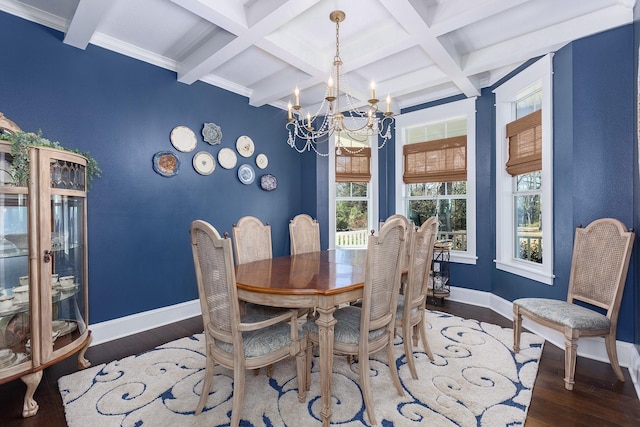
[(20, 144)]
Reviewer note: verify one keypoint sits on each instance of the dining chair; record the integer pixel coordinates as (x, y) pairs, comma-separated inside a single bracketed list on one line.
[(233, 341), (412, 305), (252, 240), (361, 331), (304, 234), (409, 227), (599, 265)]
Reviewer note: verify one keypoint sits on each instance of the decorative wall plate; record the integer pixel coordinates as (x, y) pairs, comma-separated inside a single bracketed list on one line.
[(245, 146), (212, 133), (166, 163), (262, 161), (204, 163), (183, 139), (268, 182), (227, 158), (246, 174)]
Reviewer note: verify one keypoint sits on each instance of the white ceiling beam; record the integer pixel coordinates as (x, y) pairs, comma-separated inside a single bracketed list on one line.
[(425, 37), (454, 14), (85, 21), (206, 59), (229, 15), (546, 40)]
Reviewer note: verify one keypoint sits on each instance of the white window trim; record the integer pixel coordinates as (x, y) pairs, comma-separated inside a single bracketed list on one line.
[(372, 205), (540, 71), (429, 115)]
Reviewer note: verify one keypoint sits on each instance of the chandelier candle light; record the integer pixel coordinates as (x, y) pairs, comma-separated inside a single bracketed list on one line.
[(354, 126)]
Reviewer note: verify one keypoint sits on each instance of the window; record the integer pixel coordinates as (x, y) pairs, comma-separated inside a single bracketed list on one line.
[(353, 193), (435, 172), (524, 173)]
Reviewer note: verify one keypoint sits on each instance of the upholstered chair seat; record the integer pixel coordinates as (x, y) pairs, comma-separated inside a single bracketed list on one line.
[(563, 313)]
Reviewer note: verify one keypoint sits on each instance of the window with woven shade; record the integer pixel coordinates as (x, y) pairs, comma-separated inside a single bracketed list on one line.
[(442, 160), (354, 166), (525, 144)]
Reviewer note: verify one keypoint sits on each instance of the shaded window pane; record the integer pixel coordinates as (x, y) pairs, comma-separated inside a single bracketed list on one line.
[(343, 189), (529, 181), (358, 189)]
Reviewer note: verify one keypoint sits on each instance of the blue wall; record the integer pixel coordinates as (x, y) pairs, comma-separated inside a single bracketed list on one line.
[(122, 111)]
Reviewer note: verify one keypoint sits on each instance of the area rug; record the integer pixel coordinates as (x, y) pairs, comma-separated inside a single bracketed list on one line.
[(475, 379)]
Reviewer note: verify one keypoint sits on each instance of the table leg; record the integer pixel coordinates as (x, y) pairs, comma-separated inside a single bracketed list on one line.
[(325, 324)]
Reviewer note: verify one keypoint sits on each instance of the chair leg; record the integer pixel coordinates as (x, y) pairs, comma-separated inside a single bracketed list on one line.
[(408, 349), (610, 341), (423, 336), (206, 385), (238, 395), (394, 369), (363, 365), (570, 352), (517, 328)]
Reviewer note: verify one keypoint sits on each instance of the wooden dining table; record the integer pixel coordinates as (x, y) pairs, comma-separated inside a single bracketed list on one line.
[(321, 280)]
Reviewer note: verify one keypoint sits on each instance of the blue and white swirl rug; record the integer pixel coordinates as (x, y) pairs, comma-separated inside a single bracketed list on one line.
[(474, 380)]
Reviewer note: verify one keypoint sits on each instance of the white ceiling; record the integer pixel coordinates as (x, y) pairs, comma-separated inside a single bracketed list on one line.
[(416, 50)]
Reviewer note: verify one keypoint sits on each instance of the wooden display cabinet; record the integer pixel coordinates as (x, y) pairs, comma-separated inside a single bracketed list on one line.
[(43, 265)]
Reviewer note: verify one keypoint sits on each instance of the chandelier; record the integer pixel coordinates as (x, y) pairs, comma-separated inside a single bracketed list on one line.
[(351, 125)]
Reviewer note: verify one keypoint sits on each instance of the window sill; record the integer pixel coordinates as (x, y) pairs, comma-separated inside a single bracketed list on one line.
[(525, 271), (463, 258)]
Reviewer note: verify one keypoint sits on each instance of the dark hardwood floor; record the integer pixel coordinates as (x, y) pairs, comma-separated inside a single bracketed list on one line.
[(598, 399)]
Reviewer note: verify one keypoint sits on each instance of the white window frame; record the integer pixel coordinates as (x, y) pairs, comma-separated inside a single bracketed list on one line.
[(372, 190), (539, 72), (465, 107)]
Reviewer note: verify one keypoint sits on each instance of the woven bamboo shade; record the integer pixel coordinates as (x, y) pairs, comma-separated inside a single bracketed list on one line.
[(525, 144), (442, 160), (354, 167)]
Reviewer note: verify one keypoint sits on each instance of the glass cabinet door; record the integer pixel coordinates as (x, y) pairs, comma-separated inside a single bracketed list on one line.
[(67, 273), (14, 282), (66, 262)]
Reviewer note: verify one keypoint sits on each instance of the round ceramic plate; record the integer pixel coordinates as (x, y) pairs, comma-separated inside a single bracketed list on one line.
[(262, 161), (246, 174), (227, 158), (204, 163), (166, 163), (245, 146), (212, 133), (268, 182), (183, 139)]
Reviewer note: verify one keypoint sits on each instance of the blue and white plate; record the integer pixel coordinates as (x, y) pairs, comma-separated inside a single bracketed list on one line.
[(246, 174)]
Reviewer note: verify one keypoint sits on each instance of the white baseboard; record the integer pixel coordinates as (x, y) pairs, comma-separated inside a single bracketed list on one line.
[(140, 322)]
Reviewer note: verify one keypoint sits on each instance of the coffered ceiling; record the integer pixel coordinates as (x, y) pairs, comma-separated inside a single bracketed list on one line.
[(415, 50)]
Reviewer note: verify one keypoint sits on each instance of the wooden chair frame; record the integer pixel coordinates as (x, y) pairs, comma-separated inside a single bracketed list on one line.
[(411, 318), (224, 326), (252, 240), (378, 312), (304, 234), (599, 266)]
